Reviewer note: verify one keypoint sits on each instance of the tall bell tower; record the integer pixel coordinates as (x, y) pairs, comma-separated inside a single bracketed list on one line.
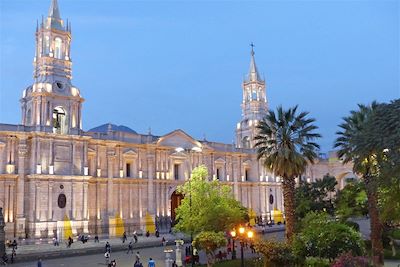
[(254, 105), (52, 103)]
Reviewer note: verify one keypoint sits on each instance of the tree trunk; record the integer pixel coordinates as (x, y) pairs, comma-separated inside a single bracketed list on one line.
[(288, 185), (376, 225)]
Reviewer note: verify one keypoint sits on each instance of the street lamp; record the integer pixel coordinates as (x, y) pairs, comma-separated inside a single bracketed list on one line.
[(233, 235), (243, 234)]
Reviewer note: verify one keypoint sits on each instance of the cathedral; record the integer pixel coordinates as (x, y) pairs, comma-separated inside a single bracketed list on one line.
[(54, 175)]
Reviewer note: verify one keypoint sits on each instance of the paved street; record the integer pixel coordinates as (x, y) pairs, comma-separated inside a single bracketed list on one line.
[(123, 260)]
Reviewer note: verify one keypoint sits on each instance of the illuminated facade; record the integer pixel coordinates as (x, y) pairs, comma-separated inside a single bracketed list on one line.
[(53, 172)]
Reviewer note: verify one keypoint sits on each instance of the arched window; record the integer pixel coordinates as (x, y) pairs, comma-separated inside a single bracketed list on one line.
[(254, 95), (28, 119), (246, 142), (47, 45), (59, 121), (57, 48)]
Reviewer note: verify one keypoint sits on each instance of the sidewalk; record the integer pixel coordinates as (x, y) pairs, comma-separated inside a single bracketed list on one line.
[(49, 251)]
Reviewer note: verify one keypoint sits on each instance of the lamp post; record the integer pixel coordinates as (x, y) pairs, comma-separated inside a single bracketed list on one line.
[(189, 151), (243, 235), (233, 235)]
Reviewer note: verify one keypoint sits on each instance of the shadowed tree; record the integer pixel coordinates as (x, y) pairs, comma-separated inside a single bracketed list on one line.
[(285, 144), (353, 147)]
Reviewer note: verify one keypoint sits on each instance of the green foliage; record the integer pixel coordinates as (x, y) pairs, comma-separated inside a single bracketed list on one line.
[(389, 200), (349, 260), (370, 138), (275, 253), (237, 263), (325, 238), (286, 144), (316, 262), (285, 141), (353, 225), (207, 206), (352, 201), (315, 196), (209, 242)]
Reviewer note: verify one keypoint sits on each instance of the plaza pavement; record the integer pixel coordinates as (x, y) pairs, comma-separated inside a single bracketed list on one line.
[(45, 249)]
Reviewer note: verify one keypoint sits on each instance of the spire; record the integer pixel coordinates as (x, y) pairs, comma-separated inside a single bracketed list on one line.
[(54, 19), (253, 75)]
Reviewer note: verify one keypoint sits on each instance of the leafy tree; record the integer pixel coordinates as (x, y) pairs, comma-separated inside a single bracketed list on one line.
[(315, 196), (369, 137), (285, 143), (207, 205), (352, 201), (209, 241), (324, 238)]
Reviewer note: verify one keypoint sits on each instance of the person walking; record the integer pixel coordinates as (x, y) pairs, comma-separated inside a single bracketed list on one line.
[(130, 248), (137, 264), (107, 258), (152, 263), (96, 239), (124, 237), (164, 242), (13, 255), (39, 263), (70, 241), (108, 247), (135, 237), (138, 256)]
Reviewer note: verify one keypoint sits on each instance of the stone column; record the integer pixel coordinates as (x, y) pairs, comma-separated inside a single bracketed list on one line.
[(150, 183), (235, 177), (110, 193), (178, 253), (21, 218), (85, 201), (2, 234), (110, 183), (168, 260), (50, 210)]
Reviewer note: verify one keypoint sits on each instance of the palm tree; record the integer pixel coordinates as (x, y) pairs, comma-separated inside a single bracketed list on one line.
[(353, 143), (285, 144)]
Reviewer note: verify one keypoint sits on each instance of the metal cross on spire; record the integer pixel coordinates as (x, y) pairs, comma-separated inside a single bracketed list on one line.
[(252, 48)]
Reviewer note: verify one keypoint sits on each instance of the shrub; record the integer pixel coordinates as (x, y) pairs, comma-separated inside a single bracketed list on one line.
[(348, 260), (209, 242), (353, 225), (275, 253), (316, 262), (324, 238)]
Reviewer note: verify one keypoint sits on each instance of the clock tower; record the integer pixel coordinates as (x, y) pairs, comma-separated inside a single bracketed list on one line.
[(254, 105), (52, 103)]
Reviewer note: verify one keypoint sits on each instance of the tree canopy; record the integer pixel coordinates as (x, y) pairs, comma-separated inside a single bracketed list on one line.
[(316, 196), (207, 205)]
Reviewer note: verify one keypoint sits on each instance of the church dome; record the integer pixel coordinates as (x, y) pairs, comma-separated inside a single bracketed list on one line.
[(112, 127)]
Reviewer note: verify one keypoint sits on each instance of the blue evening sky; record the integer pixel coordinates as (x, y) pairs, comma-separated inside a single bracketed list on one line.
[(169, 65)]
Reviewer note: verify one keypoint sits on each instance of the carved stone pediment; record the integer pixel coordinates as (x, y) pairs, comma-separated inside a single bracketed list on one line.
[(179, 139), (220, 161), (130, 153)]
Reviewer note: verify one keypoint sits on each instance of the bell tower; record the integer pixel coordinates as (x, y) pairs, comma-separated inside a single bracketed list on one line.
[(52, 103), (254, 105)]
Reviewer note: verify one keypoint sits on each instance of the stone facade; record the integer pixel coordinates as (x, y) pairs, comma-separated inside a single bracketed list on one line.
[(51, 171)]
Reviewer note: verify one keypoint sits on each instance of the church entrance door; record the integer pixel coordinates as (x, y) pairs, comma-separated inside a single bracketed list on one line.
[(176, 200)]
